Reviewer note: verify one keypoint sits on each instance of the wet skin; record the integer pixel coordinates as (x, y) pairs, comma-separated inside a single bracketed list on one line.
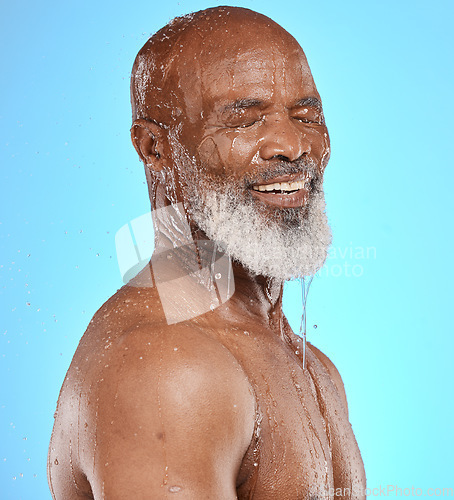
[(217, 407), (252, 122), (259, 105)]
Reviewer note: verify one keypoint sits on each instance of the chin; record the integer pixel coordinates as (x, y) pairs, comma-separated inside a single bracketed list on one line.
[(278, 243)]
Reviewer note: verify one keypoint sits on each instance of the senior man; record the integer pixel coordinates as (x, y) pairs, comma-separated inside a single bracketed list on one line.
[(226, 403)]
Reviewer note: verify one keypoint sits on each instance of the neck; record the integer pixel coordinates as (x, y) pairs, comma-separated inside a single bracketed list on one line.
[(263, 291), (254, 295)]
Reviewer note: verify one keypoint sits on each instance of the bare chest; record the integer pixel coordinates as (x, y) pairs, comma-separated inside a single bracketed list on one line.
[(303, 445)]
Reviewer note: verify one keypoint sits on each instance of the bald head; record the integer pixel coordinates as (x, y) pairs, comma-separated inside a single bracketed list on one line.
[(174, 57)]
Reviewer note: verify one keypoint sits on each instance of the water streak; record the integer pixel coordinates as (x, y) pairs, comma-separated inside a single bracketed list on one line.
[(305, 284)]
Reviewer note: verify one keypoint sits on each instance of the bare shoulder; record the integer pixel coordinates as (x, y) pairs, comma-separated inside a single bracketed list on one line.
[(157, 407), (332, 371)]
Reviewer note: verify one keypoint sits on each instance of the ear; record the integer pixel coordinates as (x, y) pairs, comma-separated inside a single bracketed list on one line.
[(150, 141)]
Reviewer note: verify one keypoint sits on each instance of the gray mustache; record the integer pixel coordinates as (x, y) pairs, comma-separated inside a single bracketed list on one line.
[(283, 168)]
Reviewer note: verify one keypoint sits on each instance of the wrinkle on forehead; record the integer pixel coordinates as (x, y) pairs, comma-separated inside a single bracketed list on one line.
[(257, 74), (216, 44)]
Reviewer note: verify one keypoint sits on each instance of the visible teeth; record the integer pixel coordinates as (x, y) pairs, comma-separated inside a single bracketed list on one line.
[(283, 186)]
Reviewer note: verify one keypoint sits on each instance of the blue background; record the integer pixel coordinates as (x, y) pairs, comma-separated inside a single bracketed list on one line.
[(70, 179)]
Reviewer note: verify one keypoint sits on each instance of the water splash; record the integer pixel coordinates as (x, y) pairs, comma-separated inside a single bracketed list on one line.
[(305, 284)]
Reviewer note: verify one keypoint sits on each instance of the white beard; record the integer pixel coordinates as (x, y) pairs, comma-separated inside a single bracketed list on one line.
[(277, 243), (266, 246)]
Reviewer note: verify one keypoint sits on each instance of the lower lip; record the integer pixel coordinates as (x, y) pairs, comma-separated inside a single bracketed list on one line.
[(294, 200)]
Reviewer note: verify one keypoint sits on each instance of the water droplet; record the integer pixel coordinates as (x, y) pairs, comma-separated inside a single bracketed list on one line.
[(174, 489), (315, 327), (212, 307), (175, 348), (297, 352), (255, 464), (218, 276), (55, 462)]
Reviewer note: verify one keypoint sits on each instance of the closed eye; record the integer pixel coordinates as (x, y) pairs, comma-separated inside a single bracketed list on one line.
[(243, 121), (248, 124), (304, 119), (308, 110), (310, 117), (243, 113)]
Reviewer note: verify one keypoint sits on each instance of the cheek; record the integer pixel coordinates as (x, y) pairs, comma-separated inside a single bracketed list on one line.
[(227, 151), (210, 157)]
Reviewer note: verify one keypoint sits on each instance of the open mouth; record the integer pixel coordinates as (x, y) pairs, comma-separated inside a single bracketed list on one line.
[(283, 187), (284, 194)]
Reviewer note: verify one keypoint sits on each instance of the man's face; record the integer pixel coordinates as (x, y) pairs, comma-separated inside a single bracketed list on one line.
[(256, 111), (252, 131)]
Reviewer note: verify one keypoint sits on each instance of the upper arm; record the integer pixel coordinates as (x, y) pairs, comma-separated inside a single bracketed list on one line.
[(173, 414), (333, 373)]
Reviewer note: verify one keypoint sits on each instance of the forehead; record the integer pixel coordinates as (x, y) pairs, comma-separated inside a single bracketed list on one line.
[(261, 67), (261, 72)]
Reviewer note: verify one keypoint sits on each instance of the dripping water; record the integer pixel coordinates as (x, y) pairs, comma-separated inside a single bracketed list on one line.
[(212, 268), (215, 296), (230, 272), (305, 282)]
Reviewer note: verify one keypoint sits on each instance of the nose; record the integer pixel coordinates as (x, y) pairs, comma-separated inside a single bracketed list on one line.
[(284, 139)]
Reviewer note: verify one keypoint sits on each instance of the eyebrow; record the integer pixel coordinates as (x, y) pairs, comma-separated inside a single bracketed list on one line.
[(309, 101), (243, 104), (247, 103)]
